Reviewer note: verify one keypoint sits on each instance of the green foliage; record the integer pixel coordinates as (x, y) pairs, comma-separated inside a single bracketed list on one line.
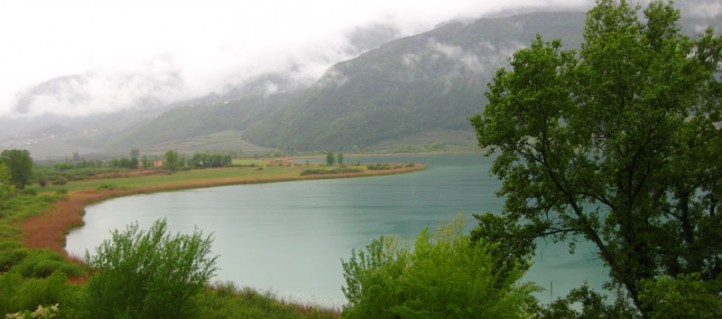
[(583, 302), (686, 296), (18, 294), (172, 161), (38, 263), (20, 165), (7, 188), (58, 181), (339, 170), (617, 144), (149, 274), (206, 160), (227, 301), (330, 159), (444, 276), (382, 166), (340, 159)]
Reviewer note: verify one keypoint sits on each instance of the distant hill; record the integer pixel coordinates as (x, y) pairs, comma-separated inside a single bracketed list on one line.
[(237, 109), (432, 81)]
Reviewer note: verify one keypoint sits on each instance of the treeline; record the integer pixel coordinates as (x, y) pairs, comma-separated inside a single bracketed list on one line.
[(63, 172)]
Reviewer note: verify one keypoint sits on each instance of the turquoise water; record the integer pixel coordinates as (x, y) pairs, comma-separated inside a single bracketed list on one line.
[(290, 237)]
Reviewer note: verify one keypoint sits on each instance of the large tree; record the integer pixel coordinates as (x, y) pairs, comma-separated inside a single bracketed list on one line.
[(172, 160), (618, 144), (20, 164), (6, 186)]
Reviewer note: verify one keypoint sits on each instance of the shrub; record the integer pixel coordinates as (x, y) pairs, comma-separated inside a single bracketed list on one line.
[(443, 276), (59, 181), (17, 295), (321, 171), (149, 274), (379, 167), (29, 191), (11, 257), (42, 263)]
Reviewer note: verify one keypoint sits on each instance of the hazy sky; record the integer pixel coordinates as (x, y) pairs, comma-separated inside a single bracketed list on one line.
[(174, 49)]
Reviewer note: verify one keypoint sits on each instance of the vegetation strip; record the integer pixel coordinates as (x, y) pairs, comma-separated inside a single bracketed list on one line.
[(48, 230)]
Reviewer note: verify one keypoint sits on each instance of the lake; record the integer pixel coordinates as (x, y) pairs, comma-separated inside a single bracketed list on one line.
[(290, 237)]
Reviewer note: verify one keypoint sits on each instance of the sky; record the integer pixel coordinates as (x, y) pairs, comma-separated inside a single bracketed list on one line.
[(171, 50)]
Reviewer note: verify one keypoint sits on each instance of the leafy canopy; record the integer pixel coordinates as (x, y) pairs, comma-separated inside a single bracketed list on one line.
[(618, 144), (20, 165), (443, 276)]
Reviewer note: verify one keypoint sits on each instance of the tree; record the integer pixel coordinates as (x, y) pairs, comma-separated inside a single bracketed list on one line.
[(149, 274), (134, 155), (443, 276), (340, 159), (617, 144), (330, 159), (171, 160), (20, 164), (7, 188), (146, 162)]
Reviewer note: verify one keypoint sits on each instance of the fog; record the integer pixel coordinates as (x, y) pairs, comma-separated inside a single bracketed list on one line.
[(83, 57)]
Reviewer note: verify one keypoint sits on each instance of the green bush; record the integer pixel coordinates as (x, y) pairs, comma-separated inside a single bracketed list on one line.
[(42, 263), (59, 181), (149, 274), (11, 257), (18, 294), (443, 276)]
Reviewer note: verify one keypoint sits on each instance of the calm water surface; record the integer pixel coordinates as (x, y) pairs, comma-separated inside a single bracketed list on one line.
[(290, 237)]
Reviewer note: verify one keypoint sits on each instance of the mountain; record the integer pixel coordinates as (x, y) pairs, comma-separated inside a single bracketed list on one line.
[(433, 81), (418, 91), (236, 109)]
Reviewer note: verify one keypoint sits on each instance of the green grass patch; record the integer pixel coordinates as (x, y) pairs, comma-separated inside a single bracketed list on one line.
[(331, 170), (246, 162), (225, 300), (190, 177)]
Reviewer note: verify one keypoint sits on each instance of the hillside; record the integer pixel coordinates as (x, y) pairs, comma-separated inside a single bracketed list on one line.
[(431, 81)]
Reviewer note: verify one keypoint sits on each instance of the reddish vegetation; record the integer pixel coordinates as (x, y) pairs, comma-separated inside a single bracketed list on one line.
[(48, 229)]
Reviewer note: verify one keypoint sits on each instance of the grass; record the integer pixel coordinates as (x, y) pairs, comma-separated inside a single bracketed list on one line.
[(192, 177), (248, 162)]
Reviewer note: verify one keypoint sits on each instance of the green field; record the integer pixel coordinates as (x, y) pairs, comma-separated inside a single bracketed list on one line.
[(189, 178)]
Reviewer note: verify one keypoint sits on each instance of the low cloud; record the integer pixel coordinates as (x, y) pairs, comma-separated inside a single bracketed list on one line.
[(135, 54), (706, 10)]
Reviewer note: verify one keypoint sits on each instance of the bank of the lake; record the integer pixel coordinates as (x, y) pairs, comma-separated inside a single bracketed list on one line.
[(48, 230), (290, 237)]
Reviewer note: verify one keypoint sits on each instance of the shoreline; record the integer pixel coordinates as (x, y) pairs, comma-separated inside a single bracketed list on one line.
[(48, 229), (429, 153)]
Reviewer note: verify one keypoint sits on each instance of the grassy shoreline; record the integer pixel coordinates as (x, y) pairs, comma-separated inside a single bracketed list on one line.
[(48, 229)]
